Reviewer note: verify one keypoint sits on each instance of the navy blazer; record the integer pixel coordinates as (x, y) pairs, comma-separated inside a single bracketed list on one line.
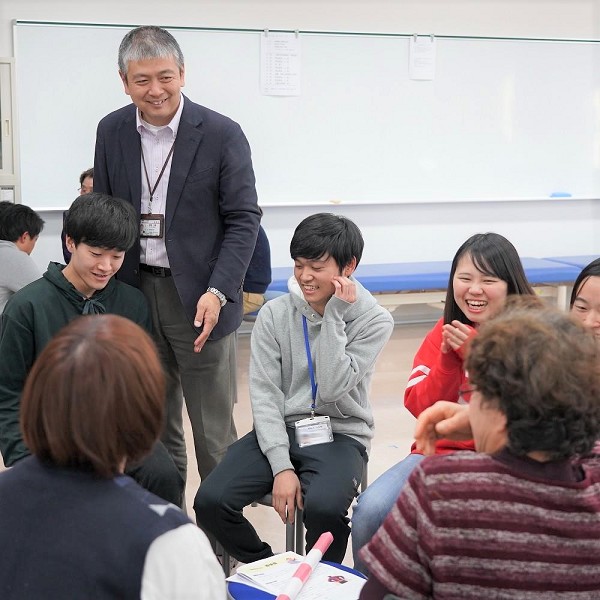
[(212, 216)]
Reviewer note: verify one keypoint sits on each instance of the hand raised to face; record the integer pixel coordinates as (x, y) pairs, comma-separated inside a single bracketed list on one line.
[(345, 288)]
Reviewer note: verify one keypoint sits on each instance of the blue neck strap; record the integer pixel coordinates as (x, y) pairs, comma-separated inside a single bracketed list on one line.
[(311, 370)]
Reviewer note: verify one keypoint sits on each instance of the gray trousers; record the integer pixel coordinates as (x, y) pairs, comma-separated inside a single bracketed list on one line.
[(207, 380)]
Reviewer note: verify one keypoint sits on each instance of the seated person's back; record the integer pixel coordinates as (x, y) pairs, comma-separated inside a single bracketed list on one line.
[(20, 227), (78, 527)]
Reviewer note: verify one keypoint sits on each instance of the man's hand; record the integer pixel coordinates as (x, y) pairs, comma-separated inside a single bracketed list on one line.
[(443, 420), (287, 493), (345, 289), (207, 316)]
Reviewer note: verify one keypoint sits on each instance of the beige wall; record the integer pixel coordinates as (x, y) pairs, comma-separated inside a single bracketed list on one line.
[(514, 18)]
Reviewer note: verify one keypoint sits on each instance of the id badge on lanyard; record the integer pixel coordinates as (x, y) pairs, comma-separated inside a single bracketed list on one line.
[(152, 226), (312, 430)]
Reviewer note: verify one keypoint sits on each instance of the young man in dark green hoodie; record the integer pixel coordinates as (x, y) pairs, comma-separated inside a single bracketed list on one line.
[(99, 231)]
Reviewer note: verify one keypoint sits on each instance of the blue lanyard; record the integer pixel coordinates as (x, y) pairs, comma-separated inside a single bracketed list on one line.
[(311, 370)]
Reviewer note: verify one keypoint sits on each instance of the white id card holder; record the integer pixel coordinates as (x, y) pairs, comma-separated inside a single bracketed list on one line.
[(152, 226), (315, 430)]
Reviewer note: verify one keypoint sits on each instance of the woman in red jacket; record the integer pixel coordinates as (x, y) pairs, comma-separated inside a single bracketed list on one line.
[(485, 270)]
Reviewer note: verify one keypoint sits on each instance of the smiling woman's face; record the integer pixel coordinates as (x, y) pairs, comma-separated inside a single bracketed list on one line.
[(478, 295), (586, 307)]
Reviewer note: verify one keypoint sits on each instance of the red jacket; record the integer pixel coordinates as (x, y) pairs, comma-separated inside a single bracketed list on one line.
[(435, 376)]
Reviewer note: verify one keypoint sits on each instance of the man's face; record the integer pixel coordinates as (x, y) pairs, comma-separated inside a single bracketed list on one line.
[(91, 268), (315, 278), (154, 86), (87, 186)]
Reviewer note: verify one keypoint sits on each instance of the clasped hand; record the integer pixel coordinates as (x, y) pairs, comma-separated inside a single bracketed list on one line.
[(455, 336), (443, 420)]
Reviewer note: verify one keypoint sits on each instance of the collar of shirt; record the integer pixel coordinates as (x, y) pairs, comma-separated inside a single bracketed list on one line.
[(173, 125)]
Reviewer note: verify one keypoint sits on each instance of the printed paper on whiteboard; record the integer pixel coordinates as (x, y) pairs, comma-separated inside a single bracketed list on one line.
[(280, 64), (421, 61), (7, 195)]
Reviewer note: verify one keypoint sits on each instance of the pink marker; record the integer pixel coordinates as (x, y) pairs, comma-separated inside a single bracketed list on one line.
[(306, 567)]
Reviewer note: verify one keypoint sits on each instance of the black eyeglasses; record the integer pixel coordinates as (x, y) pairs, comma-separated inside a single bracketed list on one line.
[(464, 393)]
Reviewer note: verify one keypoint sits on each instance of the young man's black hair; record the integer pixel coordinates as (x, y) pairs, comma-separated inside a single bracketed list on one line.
[(102, 221), (327, 234), (17, 219)]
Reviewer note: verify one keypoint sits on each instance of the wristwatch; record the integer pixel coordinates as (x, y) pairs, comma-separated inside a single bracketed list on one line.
[(219, 295)]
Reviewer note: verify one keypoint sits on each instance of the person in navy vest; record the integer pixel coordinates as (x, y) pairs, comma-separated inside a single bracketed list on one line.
[(258, 275), (78, 527)]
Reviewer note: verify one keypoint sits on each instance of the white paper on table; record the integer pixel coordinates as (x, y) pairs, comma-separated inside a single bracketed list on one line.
[(270, 574), (330, 583), (325, 582), (421, 61), (280, 64)]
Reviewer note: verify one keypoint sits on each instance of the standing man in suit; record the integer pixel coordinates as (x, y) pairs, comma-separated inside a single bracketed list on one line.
[(187, 171)]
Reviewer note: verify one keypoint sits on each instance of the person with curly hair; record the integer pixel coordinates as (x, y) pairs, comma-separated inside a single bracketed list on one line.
[(520, 517)]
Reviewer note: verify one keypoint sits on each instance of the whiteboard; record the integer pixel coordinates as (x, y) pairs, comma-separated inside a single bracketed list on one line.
[(503, 119)]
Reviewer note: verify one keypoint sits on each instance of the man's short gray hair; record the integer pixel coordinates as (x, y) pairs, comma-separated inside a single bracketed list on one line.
[(149, 41)]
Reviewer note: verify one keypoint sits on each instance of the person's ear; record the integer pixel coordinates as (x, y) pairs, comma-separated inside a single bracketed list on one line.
[(22, 240), (349, 268), (124, 80), (70, 244)]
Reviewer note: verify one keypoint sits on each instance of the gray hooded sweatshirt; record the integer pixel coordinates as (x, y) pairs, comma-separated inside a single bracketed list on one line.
[(344, 345)]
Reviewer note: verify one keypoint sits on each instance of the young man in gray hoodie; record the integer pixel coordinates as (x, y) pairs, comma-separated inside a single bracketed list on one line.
[(313, 353)]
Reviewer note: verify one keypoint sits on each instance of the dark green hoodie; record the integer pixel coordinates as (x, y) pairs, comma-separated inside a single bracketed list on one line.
[(31, 317)]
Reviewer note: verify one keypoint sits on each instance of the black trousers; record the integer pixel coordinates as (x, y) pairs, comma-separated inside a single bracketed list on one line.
[(158, 474), (329, 474)]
